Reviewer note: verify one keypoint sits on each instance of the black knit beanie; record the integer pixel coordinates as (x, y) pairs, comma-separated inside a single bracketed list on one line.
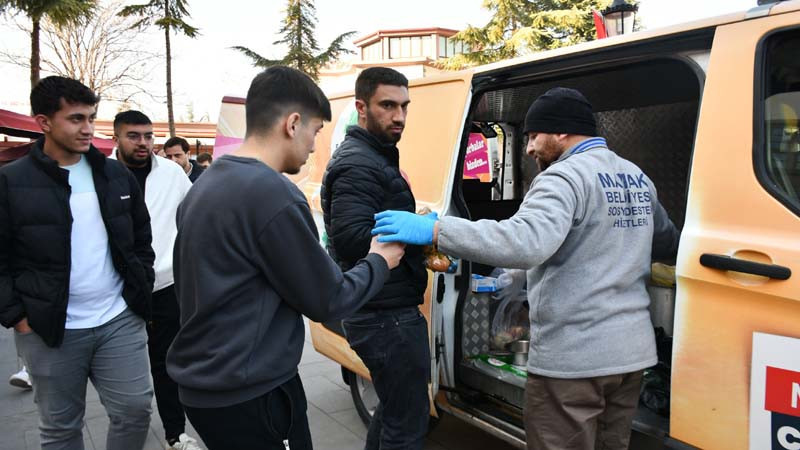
[(561, 111)]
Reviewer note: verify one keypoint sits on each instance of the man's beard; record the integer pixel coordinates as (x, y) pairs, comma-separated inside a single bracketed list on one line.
[(550, 150), (541, 164), (383, 135), (131, 160)]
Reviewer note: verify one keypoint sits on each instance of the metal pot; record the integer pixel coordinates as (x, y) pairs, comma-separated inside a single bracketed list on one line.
[(520, 351)]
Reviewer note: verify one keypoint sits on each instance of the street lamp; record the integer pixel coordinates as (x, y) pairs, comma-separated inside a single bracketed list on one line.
[(619, 17)]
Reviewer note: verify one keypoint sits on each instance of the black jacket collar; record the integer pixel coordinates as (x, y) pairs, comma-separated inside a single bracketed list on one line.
[(387, 149), (50, 166)]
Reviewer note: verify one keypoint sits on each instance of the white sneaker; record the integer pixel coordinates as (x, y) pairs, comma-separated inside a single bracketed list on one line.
[(185, 442), (21, 379)]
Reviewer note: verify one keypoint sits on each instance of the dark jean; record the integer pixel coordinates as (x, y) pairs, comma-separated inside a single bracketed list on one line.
[(161, 330), (394, 346), (261, 423)]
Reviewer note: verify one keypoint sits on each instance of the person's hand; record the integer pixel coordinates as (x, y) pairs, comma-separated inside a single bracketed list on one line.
[(403, 226), (22, 326), (392, 252), (509, 284)]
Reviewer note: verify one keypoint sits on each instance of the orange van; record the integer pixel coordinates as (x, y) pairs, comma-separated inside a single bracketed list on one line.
[(709, 110)]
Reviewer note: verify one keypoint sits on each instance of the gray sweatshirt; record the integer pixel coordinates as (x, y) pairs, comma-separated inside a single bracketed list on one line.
[(247, 264), (585, 235)]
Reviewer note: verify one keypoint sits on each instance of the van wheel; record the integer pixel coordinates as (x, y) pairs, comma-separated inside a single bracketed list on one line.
[(364, 396), (366, 400)]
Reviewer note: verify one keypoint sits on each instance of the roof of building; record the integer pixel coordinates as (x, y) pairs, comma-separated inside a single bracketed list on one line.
[(182, 129), (402, 32)]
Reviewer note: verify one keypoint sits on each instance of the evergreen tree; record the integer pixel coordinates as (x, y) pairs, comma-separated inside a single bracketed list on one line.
[(58, 12), (298, 35), (167, 15), (520, 27)]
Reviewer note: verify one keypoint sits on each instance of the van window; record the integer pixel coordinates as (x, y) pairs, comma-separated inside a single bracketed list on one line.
[(781, 108), (484, 170)]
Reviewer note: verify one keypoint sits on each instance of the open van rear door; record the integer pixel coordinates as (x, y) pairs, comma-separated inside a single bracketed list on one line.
[(739, 261), (428, 154)]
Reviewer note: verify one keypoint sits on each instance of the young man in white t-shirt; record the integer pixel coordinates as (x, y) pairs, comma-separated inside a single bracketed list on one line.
[(76, 273)]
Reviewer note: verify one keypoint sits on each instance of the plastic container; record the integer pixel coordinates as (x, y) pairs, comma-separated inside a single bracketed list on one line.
[(479, 283)]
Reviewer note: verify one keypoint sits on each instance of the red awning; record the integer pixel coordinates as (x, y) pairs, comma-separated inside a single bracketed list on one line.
[(14, 124), (10, 154)]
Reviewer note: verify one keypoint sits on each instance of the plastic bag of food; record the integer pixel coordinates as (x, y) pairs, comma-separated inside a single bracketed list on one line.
[(662, 275), (438, 261), (434, 259), (511, 321)]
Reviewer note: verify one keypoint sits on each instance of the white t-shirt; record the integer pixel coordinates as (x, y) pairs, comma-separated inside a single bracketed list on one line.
[(95, 287)]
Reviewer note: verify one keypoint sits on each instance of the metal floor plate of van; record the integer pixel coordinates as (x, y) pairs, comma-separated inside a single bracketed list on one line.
[(477, 325)]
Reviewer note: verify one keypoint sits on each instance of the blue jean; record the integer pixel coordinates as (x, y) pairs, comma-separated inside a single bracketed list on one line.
[(394, 346), (114, 357)]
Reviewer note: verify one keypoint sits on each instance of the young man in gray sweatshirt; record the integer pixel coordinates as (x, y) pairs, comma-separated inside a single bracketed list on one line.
[(584, 237), (247, 264)]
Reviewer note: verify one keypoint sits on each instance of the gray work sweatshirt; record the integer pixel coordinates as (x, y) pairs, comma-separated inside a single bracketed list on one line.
[(247, 264), (585, 235)]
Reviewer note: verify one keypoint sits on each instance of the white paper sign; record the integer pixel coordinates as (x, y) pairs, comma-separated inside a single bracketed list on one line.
[(775, 393)]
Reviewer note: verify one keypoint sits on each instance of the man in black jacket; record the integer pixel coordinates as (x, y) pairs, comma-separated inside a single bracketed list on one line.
[(176, 149), (389, 333), (76, 273)]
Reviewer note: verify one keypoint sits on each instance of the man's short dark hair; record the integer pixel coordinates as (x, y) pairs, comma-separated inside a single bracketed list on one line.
[(175, 140), (130, 117), (47, 94), (368, 81), (203, 157), (276, 91)]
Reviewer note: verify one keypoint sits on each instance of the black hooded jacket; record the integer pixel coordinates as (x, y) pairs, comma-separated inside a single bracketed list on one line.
[(363, 178), (35, 239)]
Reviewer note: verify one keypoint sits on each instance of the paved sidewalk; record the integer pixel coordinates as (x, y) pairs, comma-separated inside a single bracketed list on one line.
[(335, 425)]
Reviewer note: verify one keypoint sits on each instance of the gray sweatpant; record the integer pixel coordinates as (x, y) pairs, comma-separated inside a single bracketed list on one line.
[(114, 357)]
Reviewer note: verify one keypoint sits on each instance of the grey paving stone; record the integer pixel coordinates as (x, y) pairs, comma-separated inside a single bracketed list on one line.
[(310, 355), (153, 442), (327, 395), (12, 430), (33, 442), (350, 419), (329, 369), (98, 431), (323, 367), (319, 385), (332, 400), (307, 330), (14, 400), (329, 434)]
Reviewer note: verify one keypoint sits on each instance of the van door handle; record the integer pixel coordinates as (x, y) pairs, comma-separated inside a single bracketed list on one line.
[(723, 262), (440, 289)]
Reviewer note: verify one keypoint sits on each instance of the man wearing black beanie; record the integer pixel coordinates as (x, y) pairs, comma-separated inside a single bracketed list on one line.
[(583, 239)]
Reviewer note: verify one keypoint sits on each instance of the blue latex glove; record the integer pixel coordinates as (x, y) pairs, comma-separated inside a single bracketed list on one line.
[(404, 226)]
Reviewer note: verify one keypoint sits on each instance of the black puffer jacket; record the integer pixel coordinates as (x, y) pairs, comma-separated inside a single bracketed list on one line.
[(363, 178), (35, 239)]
